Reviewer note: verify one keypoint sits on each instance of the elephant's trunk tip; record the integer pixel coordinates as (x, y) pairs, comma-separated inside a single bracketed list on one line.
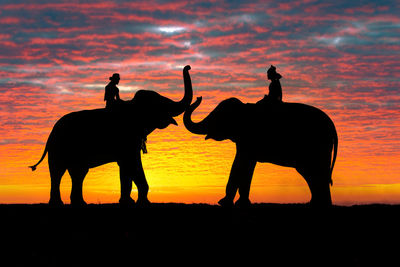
[(33, 167)]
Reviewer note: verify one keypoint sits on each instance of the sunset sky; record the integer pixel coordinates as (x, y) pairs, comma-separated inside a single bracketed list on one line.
[(340, 56)]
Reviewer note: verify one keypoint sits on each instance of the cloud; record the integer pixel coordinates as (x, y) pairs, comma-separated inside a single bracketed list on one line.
[(342, 56), (171, 29)]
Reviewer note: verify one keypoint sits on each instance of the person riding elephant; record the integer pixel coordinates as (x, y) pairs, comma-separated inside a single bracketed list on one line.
[(111, 95), (275, 88)]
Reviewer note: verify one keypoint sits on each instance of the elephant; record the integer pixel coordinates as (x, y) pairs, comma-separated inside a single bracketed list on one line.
[(287, 134), (89, 138)]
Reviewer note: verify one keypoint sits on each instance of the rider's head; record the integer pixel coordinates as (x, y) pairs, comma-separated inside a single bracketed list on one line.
[(115, 78), (272, 74)]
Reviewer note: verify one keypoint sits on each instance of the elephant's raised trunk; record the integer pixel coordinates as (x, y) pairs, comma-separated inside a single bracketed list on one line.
[(193, 127), (179, 107)]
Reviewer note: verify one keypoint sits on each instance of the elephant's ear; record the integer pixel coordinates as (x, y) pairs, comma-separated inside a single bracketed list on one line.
[(226, 120), (241, 121), (235, 126)]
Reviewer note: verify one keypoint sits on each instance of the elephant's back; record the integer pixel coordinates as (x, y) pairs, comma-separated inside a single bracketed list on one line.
[(294, 122), (96, 130), (287, 131), (303, 109), (298, 113), (79, 122), (82, 115), (309, 122)]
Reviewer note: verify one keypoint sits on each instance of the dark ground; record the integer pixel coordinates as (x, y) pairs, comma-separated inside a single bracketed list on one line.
[(197, 234)]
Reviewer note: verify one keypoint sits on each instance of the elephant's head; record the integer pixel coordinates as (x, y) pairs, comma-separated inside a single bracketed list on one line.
[(222, 123), (158, 111)]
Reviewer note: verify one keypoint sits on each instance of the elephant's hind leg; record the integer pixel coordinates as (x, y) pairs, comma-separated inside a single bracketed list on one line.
[(77, 177), (321, 193), (56, 173), (319, 183)]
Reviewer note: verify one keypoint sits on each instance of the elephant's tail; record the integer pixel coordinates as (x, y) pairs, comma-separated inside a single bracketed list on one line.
[(33, 167), (335, 148)]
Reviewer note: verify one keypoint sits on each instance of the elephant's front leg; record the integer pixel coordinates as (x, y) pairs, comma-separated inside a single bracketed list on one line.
[(239, 178), (125, 176), (139, 179)]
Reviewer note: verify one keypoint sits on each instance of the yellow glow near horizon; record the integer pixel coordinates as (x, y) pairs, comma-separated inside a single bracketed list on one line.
[(182, 167)]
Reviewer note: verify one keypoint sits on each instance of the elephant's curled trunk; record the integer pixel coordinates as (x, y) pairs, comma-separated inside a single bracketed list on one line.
[(193, 127), (180, 106)]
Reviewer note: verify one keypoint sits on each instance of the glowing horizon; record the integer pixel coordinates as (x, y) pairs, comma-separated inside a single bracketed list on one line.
[(341, 57)]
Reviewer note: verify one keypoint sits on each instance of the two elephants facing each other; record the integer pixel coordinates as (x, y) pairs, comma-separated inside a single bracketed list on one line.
[(89, 138), (287, 134)]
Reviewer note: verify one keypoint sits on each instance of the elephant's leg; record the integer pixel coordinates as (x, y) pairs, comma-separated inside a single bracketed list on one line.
[(240, 177), (56, 173), (77, 177), (318, 181), (140, 181), (320, 192), (125, 176), (247, 170)]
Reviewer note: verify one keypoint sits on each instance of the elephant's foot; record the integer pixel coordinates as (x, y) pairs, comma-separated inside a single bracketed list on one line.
[(56, 202), (143, 202), (320, 204), (78, 203), (321, 199), (126, 202), (243, 203), (225, 202)]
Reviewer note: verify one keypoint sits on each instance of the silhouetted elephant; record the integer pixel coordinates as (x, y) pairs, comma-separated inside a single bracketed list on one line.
[(89, 138), (287, 134)]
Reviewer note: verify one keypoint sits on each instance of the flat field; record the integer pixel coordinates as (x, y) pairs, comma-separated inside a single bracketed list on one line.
[(200, 234)]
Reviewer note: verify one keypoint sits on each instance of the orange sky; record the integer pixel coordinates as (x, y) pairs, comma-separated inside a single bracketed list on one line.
[(342, 57), (181, 167)]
